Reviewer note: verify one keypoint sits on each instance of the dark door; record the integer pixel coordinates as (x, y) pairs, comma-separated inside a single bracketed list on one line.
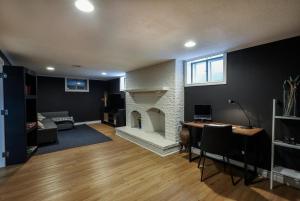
[(14, 102)]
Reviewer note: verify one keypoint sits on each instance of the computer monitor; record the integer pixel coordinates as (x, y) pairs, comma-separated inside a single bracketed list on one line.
[(202, 112)]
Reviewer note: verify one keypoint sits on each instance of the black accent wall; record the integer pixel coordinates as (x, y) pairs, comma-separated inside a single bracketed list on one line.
[(113, 87), (254, 77), (84, 106)]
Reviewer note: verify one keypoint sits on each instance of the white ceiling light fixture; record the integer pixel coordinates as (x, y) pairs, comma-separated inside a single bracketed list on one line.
[(190, 43), (104, 73), (84, 6), (50, 68)]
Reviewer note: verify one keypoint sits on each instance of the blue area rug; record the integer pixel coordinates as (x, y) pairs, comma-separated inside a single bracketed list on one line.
[(79, 136)]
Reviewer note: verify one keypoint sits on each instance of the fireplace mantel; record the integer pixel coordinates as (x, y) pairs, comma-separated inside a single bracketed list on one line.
[(148, 90)]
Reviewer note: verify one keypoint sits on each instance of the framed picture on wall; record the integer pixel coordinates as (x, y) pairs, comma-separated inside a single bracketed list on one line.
[(76, 85)]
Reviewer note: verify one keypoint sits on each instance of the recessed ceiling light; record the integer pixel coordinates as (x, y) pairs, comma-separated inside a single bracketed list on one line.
[(50, 68), (104, 73), (190, 43), (84, 6)]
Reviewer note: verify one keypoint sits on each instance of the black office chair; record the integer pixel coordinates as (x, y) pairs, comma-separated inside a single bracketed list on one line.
[(217, 140)]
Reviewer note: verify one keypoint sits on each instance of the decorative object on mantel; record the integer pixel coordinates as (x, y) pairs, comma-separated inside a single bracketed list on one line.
[(290, 87), (104, 99)]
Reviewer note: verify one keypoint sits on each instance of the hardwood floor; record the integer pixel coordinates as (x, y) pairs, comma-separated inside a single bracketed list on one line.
[(120, 170)]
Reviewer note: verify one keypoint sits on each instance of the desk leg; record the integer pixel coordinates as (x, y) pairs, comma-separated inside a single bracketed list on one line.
[(254, 176), (190, 145), (191, 158), (190, 153), (245, 161), (248, 179)]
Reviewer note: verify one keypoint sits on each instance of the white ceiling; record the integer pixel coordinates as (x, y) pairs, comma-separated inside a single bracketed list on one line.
[(122, 35)]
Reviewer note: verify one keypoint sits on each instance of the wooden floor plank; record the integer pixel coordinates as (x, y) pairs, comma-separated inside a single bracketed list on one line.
[(119, 170)]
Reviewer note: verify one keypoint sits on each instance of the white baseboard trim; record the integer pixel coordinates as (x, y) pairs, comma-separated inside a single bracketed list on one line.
[(87, 122), (262, 172)]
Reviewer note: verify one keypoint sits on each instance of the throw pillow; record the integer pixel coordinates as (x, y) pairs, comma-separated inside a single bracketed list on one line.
[(40, 125), (40, 117)]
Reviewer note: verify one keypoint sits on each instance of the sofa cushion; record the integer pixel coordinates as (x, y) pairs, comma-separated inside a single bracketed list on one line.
[(40, 117), (62, 119), (49, 124), (40, 125)]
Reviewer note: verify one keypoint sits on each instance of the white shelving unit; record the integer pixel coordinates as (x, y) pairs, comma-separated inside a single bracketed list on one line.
[(275, 142)]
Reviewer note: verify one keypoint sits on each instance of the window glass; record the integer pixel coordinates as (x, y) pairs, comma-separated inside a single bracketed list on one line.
[(76, 85), (216, 70), (122, 83), (199, 72), (206, 71)]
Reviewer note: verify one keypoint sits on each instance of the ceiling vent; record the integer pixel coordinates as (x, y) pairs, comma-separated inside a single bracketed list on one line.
[(76, 66)]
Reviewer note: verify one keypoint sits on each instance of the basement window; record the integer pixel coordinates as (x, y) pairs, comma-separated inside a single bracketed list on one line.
[(203, 71), (76, 85)]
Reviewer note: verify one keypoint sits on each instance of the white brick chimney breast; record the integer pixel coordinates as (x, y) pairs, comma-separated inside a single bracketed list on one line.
[(154, 107)]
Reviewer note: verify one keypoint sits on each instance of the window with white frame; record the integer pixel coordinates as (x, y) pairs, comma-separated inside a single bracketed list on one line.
[(206, 71), (122, 83), (76, 85)]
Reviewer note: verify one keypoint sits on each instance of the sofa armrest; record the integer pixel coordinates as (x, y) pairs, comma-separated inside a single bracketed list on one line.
[(45, 136)]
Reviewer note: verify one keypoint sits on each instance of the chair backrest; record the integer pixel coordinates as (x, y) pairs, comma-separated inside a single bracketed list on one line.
[(216, 139)]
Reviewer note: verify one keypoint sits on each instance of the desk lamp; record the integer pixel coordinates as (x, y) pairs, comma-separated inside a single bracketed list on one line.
[(249, 122)]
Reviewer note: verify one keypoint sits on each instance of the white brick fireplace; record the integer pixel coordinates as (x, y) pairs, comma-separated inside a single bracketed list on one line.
[(154, 107)]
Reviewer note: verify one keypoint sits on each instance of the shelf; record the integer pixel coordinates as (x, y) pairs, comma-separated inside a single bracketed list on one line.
[(287, 117), (148, 90), (287, 172), (284, 144)]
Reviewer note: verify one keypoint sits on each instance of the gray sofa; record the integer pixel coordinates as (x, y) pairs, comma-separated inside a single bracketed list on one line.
[(52, 122), (62, 119)]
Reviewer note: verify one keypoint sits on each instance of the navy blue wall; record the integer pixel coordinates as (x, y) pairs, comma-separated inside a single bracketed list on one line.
[(83, 106)]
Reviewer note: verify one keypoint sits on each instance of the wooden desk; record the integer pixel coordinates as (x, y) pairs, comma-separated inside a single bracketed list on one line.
[(235, 128), (246, 133)]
